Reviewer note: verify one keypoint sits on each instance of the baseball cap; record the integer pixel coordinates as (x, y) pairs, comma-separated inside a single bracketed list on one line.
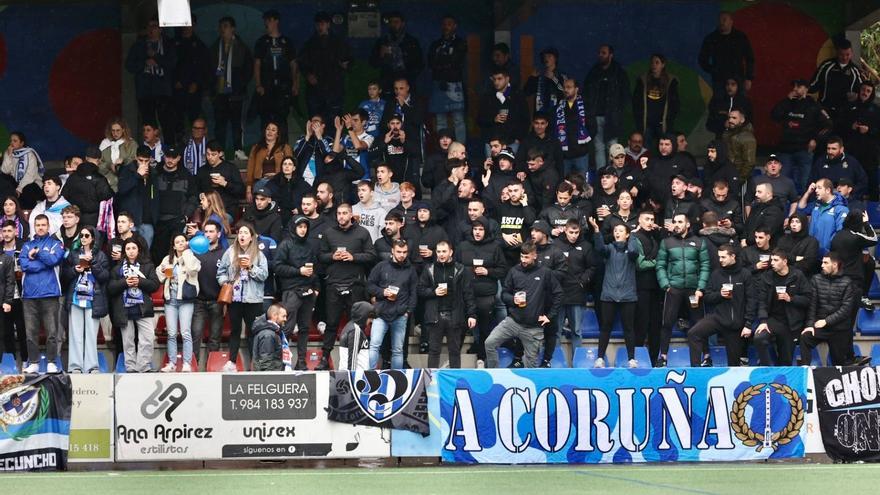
[(617, 149), (173, 151), (263, 191)]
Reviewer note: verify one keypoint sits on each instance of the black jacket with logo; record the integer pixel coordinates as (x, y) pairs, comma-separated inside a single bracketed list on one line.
[(543, 294)]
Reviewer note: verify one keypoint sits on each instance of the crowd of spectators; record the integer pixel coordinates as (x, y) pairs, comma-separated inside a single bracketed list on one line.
[(369, 210)]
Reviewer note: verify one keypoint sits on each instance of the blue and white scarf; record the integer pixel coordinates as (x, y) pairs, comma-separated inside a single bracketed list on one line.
[(133, 296), (550, 100), (583, 135), (194, 156), (21, 155), (155, 70), (224, 68)]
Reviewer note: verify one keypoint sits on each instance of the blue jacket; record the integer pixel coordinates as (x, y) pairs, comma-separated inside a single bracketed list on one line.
[(619, 283), (41, 273), (826, 220)]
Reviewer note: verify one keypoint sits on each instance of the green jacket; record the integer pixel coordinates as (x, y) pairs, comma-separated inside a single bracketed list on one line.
[(741, 149), (683, 263)]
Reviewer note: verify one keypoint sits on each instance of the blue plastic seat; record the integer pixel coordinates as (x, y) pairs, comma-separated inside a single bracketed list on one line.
[(558, 360), (641, 355), (102, 362), (8, 365), (505, 357), (719, 355), (678, 357), (584, 357), (868, 322), (120, 363), (874, 291), (589, 324), (875, 354), (44, 363), (873, 208), (815, 359)]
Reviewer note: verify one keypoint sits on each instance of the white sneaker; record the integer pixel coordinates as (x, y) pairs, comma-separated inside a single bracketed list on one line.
[(241, 155), (480, 364), (322, 327), (31, 369), (599, 363), (229, 367), (186, 368), (632, 363), (51, 368), (169, 368)]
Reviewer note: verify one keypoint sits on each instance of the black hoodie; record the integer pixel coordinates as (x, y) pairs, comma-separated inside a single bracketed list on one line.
[(459, 300), (401, 275), (267, 345), (770, 214), (722, 169), (487, 253), (86, 188), (354, 337), (357, 241), (292, 254), (267, 222), (543, 294), (661, 169), (801, 245), (575, 281)]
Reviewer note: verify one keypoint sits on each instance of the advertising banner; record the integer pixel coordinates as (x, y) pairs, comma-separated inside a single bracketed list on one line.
[(621, 415), (228, 416), (91, 418), (34, 422), (848, 401)]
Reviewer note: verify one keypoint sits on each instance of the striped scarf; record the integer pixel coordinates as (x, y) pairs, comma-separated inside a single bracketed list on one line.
[(194, 156), (21, 155), (583, 135)]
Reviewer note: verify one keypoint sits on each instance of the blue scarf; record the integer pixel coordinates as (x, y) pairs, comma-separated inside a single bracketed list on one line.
[(21, 155), (194, 156), (549, 100), (583, 135), (133, 296)]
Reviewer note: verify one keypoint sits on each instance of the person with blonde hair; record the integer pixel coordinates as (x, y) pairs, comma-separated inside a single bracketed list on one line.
[(210, 208), (117, 148), (245, 267)]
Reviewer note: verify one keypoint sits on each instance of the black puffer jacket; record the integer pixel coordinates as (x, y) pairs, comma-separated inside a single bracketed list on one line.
[(267, 345), (833, 300), (798, 288), (770, 214), (543, 294), (739, 311), (86, 188), (849, 245), (292, 254)]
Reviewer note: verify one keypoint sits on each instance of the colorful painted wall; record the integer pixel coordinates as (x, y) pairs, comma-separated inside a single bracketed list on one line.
[(61, 64), (789, 39)]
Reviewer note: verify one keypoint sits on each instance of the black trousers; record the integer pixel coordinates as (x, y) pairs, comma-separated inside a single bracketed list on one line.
[(14, 337), (781, 336), (299, 313), (337, 306), (163, 232), (610, 310), (445, 328), (274, 106), (673, 302), (698, 340), (485, 309), (649, 312), (238, 312), (227, 117), (839, 345), (158, 109)]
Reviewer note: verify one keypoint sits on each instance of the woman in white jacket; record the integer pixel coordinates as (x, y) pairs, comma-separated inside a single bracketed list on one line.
[(179, 272)]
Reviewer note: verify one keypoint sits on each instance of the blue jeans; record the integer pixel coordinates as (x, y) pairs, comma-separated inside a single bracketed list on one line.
[(797, 166), (574, 313), (146, 231), (457, 123), (179, 316), (377, 335), (601, 144), (580, 165), (83, 342)]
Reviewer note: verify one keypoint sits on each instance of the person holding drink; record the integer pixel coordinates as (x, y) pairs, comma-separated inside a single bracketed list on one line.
[(179, 273), (533, 297), (294, 266), (88, 270), (393, 283), (246, 268)]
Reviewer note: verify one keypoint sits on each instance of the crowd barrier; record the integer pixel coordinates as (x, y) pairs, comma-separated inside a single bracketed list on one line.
[(531, 416)]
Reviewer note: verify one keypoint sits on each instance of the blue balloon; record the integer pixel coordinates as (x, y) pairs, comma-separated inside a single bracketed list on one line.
[(199, 244)]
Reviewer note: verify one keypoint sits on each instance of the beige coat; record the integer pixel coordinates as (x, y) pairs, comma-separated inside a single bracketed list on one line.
[(190, 273)]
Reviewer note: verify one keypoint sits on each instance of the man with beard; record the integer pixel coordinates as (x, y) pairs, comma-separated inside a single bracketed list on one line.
[(726, 207), (683, 272), (396, 54), (533, 297), (668, 163), (741, 144), (829, 317), (539, 139), (765, 212), (606, 91), (859, 126), (837, 164), (803, 123), (515, 219)]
